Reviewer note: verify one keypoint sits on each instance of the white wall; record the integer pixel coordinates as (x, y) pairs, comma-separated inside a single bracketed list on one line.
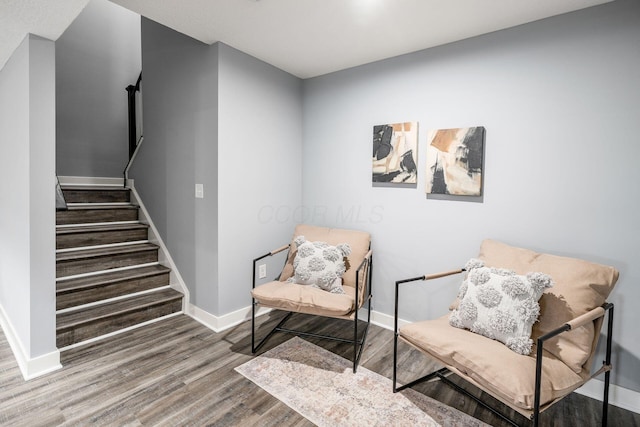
[(14, 163), (42, 217), (559, 100), (97, 57), (27, 179), (259, 168)]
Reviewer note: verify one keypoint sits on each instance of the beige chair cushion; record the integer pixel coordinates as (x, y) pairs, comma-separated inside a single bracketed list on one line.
[(506, 374), (305, 299), (580, 286), (359, 242)]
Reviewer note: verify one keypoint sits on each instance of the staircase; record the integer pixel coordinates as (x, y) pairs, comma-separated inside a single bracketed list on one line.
[(107, 273)]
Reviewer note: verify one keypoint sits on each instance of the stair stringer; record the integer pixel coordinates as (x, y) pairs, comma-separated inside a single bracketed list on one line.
[(164, 257)]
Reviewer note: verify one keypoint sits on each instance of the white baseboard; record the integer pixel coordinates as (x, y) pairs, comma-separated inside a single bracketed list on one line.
[(221, 323), (618, 396), (41, 365), (29, 367), (164, 257), (381, 319), (86, 180)]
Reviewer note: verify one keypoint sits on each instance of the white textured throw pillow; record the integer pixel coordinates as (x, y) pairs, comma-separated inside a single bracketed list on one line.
[(500, 304), (320, 265)]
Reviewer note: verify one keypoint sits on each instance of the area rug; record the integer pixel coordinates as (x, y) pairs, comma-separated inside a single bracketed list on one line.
[(322, 387)]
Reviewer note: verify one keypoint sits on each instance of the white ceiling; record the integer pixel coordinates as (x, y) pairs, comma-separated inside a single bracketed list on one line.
[(45, 18), (307, 38)]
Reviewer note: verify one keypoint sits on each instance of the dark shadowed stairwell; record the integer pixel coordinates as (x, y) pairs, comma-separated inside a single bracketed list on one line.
[(108, 277)]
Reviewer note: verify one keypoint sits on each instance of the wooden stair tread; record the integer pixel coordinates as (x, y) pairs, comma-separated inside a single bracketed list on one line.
[(98, 194), (100, 228), (100, 206), (115, 308), (97, 213), (92, 234), (111, 277), (94, 187), (100, 252)]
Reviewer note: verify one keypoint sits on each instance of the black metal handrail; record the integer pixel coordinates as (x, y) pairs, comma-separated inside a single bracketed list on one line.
[(131, 96), (134, 141)]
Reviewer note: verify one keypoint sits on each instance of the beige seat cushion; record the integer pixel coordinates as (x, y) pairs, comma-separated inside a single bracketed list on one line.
[(506, 374), (359, 241), (580, 286), (305, 299)]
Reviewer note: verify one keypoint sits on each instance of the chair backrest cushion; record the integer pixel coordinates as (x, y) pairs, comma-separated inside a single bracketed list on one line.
[(580, 286), (359, 241)]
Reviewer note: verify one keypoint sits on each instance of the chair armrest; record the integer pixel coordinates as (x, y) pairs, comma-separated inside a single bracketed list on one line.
[(365, 260), (430, 276), (576, 322), (443, 274), (273, 252), (414, 279), (280, 249), (363, 279), (368, 254), (587, 317)]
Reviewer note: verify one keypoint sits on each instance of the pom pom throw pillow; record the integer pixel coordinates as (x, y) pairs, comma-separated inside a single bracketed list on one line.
[(500, 304), (320, 265)]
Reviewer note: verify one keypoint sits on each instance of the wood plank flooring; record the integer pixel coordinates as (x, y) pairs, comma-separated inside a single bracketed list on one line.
[(177, 372)]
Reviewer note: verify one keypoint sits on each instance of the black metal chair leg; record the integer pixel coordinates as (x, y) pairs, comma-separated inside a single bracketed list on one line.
[(607, 361), (253, 326), (277, 328), (355, 331)]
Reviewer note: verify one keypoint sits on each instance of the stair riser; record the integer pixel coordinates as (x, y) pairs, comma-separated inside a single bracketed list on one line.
[(111, 290), (65, 241), (96, 196), (99, 327), (107, 262), (132, 305), (95, 215)]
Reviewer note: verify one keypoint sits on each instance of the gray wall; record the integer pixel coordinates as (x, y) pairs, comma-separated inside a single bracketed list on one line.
[(216, 116), (27, 178), (259, 168), (97, 57), (559, 100), (181, 149)]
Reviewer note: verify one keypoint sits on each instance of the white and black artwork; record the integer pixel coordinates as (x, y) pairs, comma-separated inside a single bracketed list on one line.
[(395, 152), (454, 161)]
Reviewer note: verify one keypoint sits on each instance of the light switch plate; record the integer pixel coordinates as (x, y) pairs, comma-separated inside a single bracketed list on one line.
[(262, 271), (199, 191)]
